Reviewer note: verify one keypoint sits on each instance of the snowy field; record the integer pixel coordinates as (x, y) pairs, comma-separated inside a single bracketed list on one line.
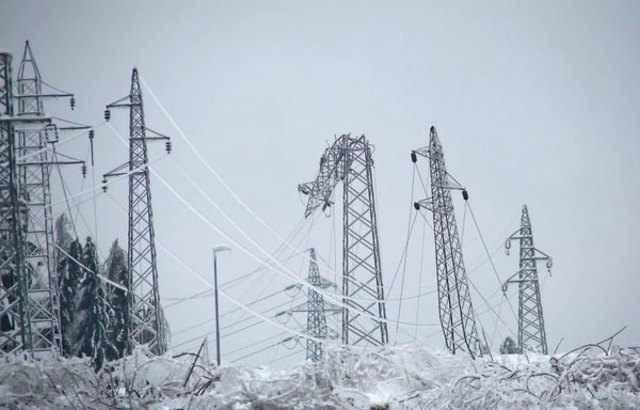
[(403, 377)]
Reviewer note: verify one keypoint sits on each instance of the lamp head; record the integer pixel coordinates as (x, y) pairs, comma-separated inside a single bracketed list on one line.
[(221, 248)]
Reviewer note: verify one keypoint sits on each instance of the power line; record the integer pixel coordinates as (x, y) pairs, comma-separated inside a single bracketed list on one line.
[(216, 175), (254, 343), (493, 266), (290, 274)]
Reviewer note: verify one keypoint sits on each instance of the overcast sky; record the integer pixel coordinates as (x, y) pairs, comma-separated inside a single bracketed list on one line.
[(535, 102)]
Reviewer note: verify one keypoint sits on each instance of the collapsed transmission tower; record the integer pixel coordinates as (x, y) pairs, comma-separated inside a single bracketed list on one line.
[(147, 325), (316, 309), (349, 160), (454, 301), (531, 330)]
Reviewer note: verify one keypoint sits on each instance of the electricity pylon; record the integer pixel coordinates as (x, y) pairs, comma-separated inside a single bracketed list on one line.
[(531, 330), (316, 309), (457, 317), (15, 329), (147, 322), (29, 304), (35, 162), (349, 160)]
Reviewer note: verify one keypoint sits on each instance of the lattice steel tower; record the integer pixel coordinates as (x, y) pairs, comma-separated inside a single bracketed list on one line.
[(35, 164), (15, 329), (349, 160), (531, 330), (316, 309), (147, 323), (457, 317), (29, 303)]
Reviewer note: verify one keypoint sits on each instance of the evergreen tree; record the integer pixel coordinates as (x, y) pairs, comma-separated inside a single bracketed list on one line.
[(508, 346), (93, 311), (63, 240), (69, 277), (115, 269)]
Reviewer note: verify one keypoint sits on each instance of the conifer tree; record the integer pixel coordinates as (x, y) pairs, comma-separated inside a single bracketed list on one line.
[(115, 269), (70, 278), (93, 311), (63, 237)]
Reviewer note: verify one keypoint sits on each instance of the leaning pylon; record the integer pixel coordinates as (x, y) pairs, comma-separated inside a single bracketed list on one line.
[(457, 317)]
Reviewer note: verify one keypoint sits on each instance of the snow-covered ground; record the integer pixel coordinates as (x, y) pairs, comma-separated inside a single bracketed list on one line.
[(401, 377)]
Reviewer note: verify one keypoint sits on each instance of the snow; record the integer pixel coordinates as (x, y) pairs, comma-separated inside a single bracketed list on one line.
[(401, 377)]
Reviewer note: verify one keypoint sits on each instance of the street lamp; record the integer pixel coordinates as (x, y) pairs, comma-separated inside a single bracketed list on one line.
[(216, 249)]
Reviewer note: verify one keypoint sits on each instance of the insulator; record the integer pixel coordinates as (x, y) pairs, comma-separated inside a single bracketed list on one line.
[(51, 134), (292, 291), (91, 134), (72, 102), (507, 246), (549, 263), (283, 317), (290, 342), (104, 188), (414, 157), (167, 147), (107, 115), (416, 205), (84, 170), (465, 195), (505, 286)]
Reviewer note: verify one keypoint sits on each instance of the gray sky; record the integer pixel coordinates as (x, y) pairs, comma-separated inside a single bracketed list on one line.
[(535, 102)]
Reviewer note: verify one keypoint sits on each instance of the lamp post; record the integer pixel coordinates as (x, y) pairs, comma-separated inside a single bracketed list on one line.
[(216, 249)]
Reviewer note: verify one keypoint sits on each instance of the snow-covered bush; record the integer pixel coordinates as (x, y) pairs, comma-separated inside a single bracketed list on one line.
[(401, 377)]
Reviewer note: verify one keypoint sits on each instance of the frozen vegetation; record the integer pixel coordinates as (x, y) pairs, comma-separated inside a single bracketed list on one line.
[(403, 377)]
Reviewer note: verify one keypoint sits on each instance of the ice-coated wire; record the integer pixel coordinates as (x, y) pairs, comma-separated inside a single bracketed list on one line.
[(217, 176)]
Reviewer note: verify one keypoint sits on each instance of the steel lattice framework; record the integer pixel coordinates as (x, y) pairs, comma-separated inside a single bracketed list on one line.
[(457, 317), (29, 301), (316, 309), (34, 168), (531, 330), (147, 323), (349, 160), (15, 330)]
